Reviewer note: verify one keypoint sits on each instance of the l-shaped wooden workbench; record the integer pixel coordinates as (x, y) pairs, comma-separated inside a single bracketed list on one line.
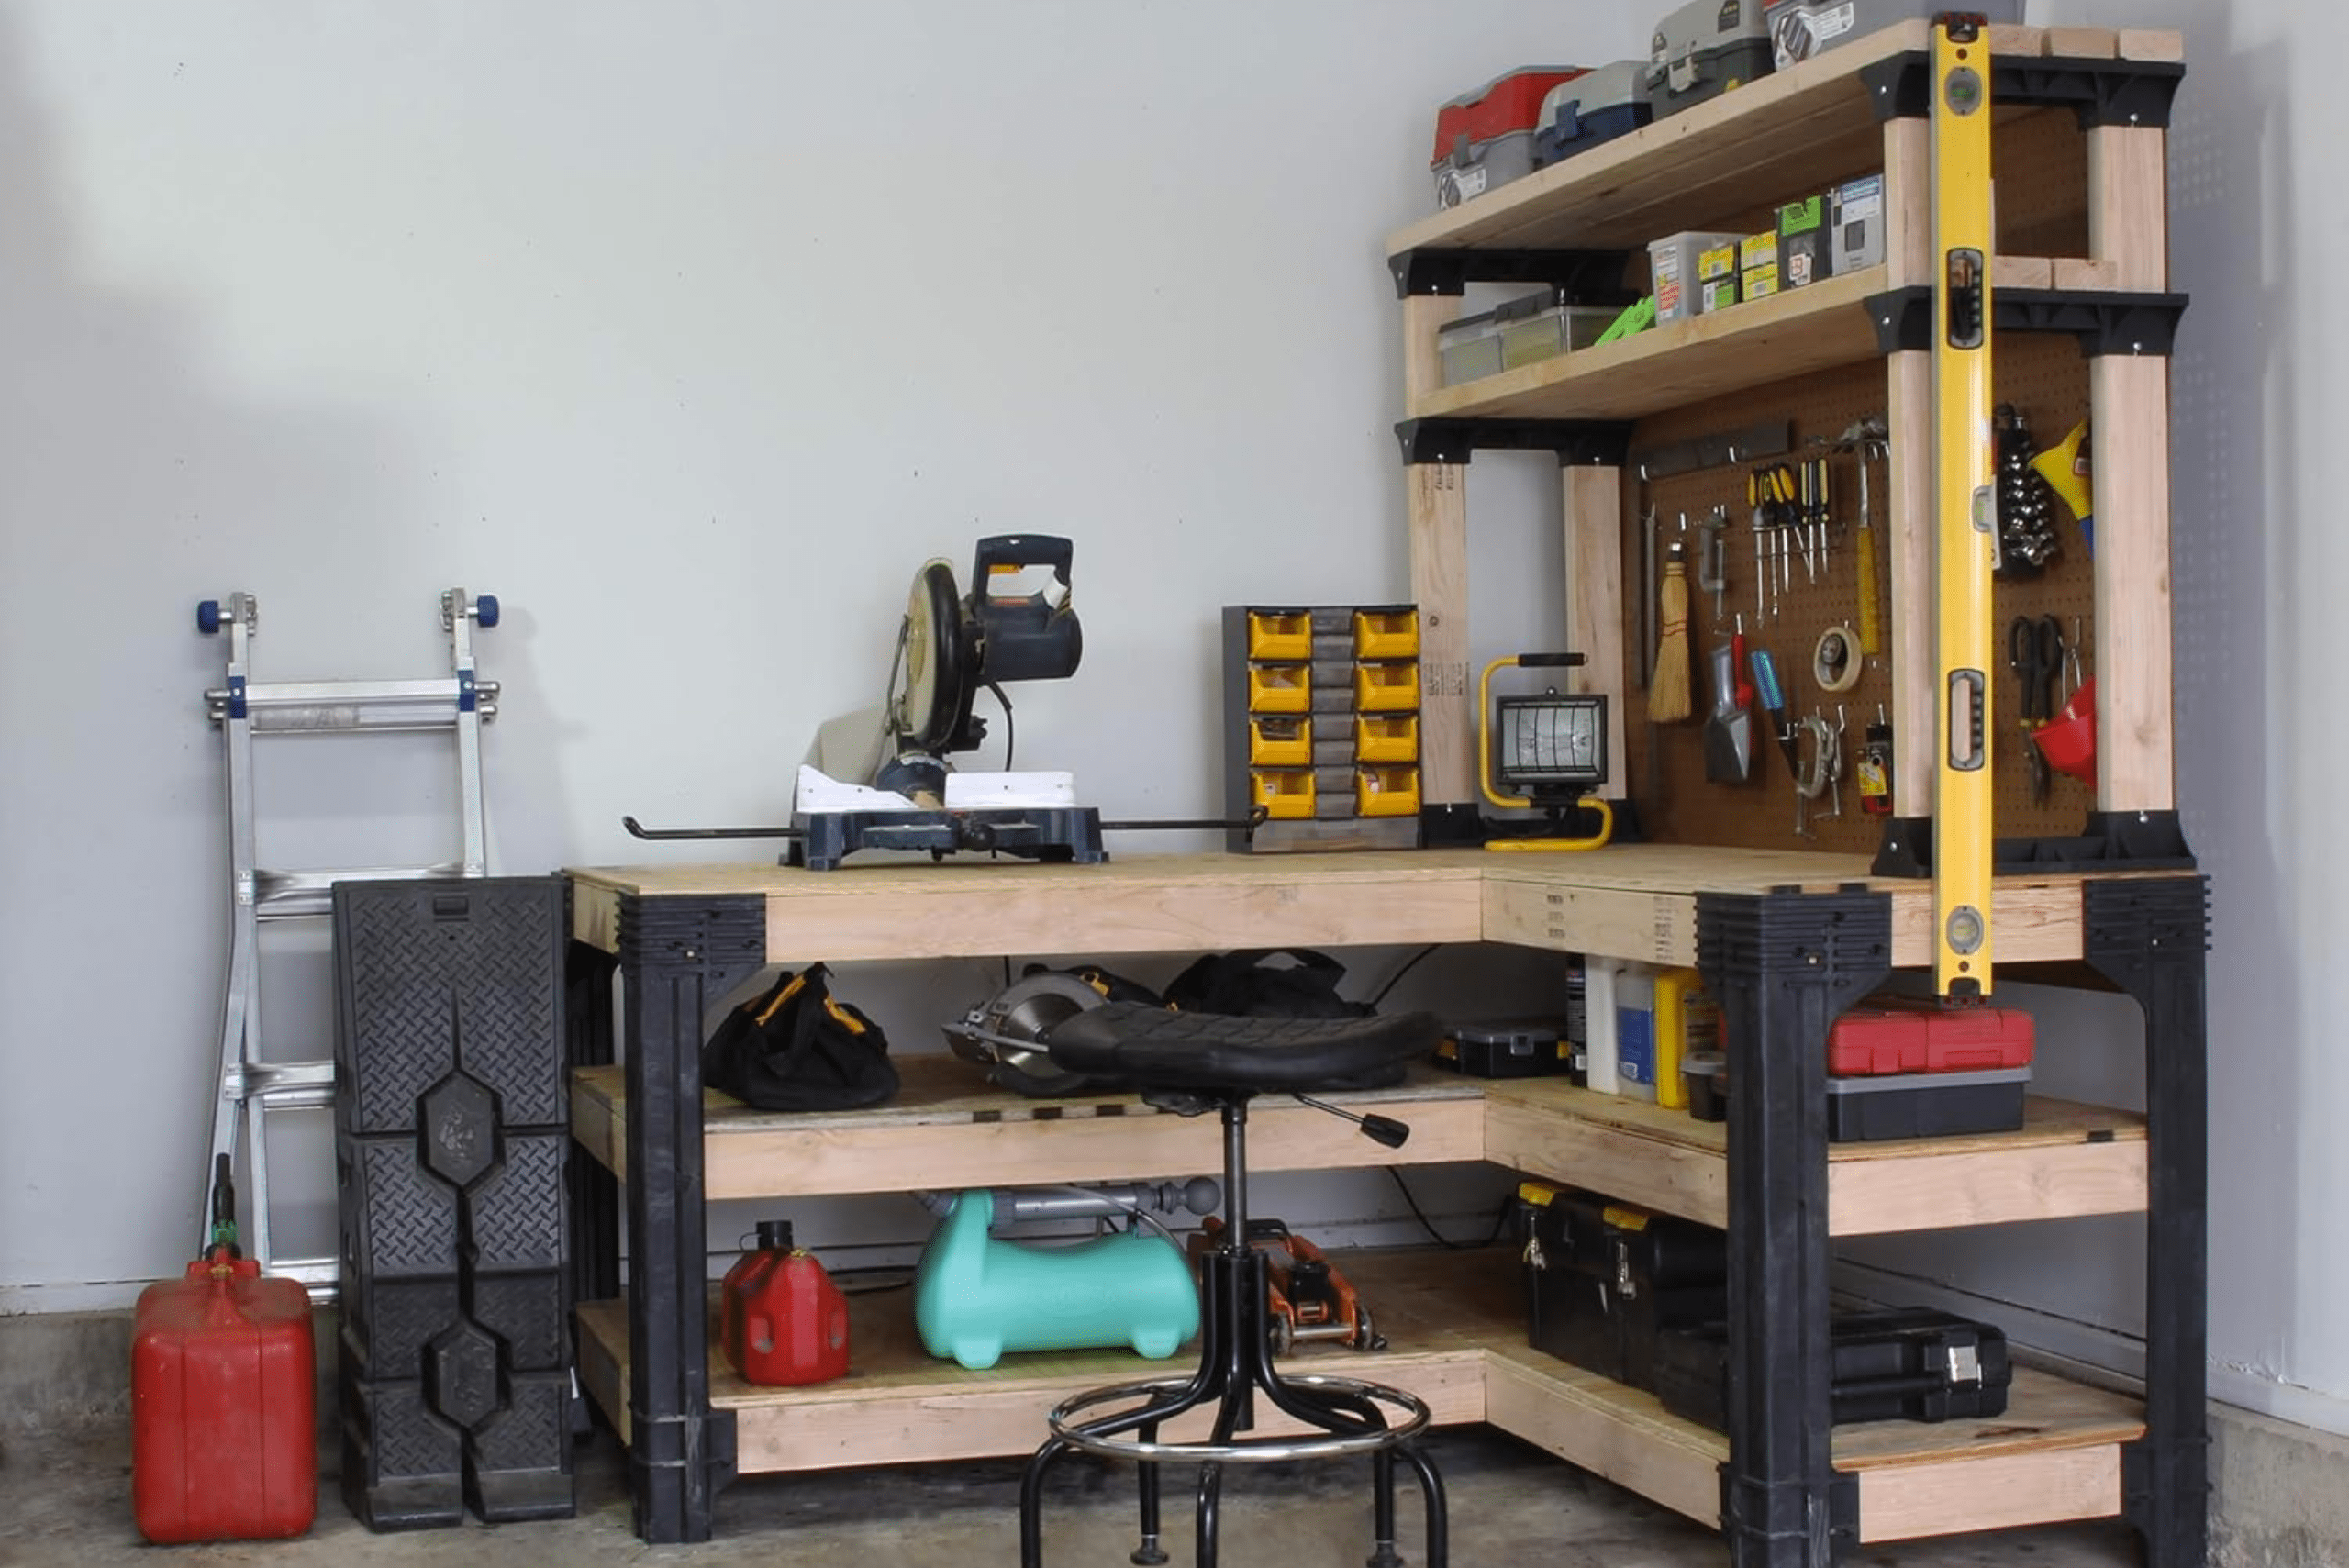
[(1787, 940)]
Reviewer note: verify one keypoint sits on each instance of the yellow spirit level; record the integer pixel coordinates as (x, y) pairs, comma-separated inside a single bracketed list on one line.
[(1966, 512)]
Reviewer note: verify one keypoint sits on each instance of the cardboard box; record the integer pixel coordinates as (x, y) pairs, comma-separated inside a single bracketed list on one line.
[(1803, 250), (1856, 225), (1757, 265), (1717, 278)]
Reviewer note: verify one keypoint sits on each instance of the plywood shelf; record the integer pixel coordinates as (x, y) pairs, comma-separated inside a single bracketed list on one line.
[(949, 1128), (1680, 362), (1792, 130), (1456, 1332), (947, 1124), (2068, 1159)]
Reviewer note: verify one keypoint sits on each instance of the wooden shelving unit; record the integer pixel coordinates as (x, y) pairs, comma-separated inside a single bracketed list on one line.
[(2095, 254), (1787, 937)]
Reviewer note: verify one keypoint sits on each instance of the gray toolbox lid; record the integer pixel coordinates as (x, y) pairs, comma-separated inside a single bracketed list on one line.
[(1611, 86), (1901, 1083), (1700, 27)]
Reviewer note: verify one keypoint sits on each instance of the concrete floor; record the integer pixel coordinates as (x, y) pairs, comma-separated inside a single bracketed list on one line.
[(64, 1499)]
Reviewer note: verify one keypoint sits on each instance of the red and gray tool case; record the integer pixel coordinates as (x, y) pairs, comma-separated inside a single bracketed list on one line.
[(1594, 107), (1703, 49), (1485, 139), (1800, 29)]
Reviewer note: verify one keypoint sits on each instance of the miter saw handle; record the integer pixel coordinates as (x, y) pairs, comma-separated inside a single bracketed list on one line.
[(1009, 552), (1025, 637)]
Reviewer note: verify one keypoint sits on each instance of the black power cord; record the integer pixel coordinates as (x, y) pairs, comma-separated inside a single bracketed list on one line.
[(1408, 964), (1500, 1220)]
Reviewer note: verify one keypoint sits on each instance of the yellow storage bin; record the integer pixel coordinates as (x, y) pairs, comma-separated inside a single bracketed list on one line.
[(1386, 634), (1386, 739), (1387, 688), (1284, 795), (1280, 743), (1280, 634), (1388, 792), (1279, 688)]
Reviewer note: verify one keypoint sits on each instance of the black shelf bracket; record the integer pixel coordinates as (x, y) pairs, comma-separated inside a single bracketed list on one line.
[(2151, 937), (2110, 840), (1589, 277), (678, 956), (2101, 92), (1784, 967), (1577, 443), (2104, 322)]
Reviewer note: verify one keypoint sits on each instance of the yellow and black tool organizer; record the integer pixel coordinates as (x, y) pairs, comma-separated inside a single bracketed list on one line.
[(1321, 726)]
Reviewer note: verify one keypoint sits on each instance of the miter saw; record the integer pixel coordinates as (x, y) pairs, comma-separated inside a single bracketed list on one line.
[(883, 781)]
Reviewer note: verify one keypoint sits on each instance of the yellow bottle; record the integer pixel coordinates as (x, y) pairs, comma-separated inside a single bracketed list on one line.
[(1686, 1020)]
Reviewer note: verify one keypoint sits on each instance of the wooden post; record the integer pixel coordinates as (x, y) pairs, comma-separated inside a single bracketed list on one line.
[(1908, 203), (2135, 758), (1436, 495), (1595, 628), (1909, 511), (2129, 206), (1424, 315)]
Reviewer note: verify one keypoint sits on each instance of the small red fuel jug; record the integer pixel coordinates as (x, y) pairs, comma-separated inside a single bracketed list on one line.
[(783, 1320)]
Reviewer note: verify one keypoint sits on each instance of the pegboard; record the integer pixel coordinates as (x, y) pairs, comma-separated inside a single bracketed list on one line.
[(2046, 378)]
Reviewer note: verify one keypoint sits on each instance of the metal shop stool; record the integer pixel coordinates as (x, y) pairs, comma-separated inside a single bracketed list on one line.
[(1191, 1064)]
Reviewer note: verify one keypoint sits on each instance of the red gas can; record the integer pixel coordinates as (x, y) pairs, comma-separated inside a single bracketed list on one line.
[(224, 1440), (781, 1319)]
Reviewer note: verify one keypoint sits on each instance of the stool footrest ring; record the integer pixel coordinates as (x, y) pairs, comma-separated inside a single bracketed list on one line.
[(1259, 1451)]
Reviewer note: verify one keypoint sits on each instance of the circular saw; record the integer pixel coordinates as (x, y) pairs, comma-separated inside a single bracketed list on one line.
[(1006, 1033)]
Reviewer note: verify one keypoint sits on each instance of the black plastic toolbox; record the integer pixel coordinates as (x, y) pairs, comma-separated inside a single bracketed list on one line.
[(1603, 1280), (1912, 1364)]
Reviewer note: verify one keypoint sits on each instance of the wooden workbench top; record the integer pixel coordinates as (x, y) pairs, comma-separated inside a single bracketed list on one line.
[(1627, 900)]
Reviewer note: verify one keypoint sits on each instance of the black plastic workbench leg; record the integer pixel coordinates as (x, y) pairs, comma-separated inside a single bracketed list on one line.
[(1784, 967), (678, 957), (2152, 939), (594, 1191)]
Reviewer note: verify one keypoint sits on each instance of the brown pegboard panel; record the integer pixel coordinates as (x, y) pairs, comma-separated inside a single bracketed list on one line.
[(2039, 168), (2047, 379)]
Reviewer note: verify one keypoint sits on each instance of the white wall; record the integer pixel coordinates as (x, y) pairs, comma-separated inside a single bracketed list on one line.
[(690, 330)]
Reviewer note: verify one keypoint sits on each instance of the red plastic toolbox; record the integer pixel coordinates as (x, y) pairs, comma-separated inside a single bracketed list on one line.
[(1485, 137), (1890, 1035), (223, 1386)]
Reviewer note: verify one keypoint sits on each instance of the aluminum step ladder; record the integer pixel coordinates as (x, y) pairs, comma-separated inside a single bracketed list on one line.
[(458, 703)]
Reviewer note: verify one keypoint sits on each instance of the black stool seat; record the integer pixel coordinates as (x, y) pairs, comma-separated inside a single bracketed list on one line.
[(1210, 1052)]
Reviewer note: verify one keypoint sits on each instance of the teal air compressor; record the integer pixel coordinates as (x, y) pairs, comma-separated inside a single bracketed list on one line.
[(977, 1295)]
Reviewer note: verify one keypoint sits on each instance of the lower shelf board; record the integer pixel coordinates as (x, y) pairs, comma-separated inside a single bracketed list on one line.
[(1456, 1330)]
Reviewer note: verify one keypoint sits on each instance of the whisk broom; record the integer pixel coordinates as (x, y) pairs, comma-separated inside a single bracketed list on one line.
[(1668, 695)]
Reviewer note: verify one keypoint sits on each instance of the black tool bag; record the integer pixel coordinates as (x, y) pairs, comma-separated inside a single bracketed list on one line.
[(796, 1048), (1247, 984), (1243, 984)]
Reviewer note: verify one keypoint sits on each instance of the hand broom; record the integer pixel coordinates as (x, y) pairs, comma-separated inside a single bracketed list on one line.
[(1668, 694)]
